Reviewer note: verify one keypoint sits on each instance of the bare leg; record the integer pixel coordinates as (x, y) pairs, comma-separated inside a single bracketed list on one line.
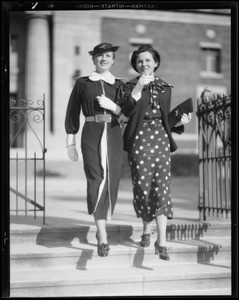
[(146, 227), (161, 222), (101, 230), (145, 237)]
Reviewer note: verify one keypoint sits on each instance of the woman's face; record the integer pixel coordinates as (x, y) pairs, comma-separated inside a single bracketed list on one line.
[(103, 61), (145, 63)]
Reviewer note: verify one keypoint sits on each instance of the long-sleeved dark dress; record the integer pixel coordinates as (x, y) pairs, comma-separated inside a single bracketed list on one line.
[(101, 143)]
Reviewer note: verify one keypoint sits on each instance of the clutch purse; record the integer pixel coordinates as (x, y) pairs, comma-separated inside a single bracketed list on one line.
[(175, 115)]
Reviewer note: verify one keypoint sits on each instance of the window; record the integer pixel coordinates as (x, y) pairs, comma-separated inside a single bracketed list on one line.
[(76, 61), (14, 43), (13, 63), (210, 60)]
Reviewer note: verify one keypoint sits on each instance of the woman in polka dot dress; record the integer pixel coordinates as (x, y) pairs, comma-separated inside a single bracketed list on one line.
[(148, 141)]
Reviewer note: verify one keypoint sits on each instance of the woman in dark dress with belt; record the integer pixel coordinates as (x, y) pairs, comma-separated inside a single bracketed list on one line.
[(97, 96), (148, 141)]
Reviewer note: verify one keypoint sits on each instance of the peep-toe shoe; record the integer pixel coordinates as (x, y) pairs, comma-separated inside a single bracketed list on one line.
[(102, 249), (145, 240), (161, 251)]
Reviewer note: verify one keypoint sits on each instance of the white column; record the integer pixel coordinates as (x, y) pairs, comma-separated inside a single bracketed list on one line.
[(37, 68)]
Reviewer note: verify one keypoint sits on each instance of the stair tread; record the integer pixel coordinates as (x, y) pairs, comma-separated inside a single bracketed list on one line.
[(113, 224), (195, 292), (165, 271), (75, 246)]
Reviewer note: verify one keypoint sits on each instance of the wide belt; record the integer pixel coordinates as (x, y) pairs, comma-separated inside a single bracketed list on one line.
[(153, 123), (152, 120), (99, 118)]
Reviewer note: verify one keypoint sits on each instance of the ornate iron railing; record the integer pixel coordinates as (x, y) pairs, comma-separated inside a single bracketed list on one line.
[(214, 127), (27, 156)]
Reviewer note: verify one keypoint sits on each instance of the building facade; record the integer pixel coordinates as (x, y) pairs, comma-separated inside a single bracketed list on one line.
[(49, 50)]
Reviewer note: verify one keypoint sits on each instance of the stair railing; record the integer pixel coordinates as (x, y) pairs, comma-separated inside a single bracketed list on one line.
[(27, 156), (214, 129)]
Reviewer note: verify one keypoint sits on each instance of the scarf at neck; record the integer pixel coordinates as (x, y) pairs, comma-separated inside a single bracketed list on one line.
[(107, 77)]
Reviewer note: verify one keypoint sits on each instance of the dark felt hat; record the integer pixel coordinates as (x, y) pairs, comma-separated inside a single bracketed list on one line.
[(103, 47), (141, 49)]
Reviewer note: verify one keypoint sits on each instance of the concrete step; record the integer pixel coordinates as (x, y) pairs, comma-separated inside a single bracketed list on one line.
[(199, 292), (159, 279), (117, 231), (126, 253)]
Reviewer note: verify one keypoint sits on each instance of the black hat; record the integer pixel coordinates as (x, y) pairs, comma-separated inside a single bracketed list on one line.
[(103, 47), (141, 49)]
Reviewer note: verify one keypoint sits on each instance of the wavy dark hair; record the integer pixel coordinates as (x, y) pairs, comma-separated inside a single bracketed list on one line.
[(145, 48)]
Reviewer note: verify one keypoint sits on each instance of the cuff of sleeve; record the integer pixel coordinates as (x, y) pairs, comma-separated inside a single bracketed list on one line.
[(70, 140), (117, 110)]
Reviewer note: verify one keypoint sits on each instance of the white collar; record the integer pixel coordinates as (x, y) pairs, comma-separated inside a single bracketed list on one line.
[(108, 77)]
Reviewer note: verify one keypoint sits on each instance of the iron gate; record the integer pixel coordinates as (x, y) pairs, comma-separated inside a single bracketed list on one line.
[(214, 127), (27, 156)]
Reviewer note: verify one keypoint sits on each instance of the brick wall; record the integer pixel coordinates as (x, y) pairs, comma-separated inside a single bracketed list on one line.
[(178, 45)]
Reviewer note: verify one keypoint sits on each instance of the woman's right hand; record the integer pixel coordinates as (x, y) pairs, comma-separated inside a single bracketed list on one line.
[(123, 119), (72, 153), (145, 79)]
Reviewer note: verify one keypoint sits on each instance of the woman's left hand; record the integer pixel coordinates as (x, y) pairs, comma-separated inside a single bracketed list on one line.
[(106, 103), (186, 118)]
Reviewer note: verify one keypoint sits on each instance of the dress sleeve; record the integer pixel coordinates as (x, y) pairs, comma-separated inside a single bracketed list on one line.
[(179, 129), (120, 94), (129, 102), (72, 119), (169, 100)]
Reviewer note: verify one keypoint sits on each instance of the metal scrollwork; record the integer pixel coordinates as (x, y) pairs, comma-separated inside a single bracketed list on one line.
[(12, 102), (27, 156), (36, 116), (23, 115), (15, 116)]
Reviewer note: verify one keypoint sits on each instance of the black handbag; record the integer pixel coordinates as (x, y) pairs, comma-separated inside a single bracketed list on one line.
[(175, 115)]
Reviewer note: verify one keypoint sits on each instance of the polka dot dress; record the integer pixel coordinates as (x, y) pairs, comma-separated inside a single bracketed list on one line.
[(150, 165)]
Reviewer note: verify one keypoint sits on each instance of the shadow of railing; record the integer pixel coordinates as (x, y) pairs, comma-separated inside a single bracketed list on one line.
[(186, 231), (80, 235)]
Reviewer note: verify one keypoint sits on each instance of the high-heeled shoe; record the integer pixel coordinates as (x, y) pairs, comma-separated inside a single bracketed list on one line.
[(145, 240), (102, 249), (161, 251)]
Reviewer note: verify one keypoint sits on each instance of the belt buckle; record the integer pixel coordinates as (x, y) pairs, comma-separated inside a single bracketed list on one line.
[(103, 118), (152, 124)]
